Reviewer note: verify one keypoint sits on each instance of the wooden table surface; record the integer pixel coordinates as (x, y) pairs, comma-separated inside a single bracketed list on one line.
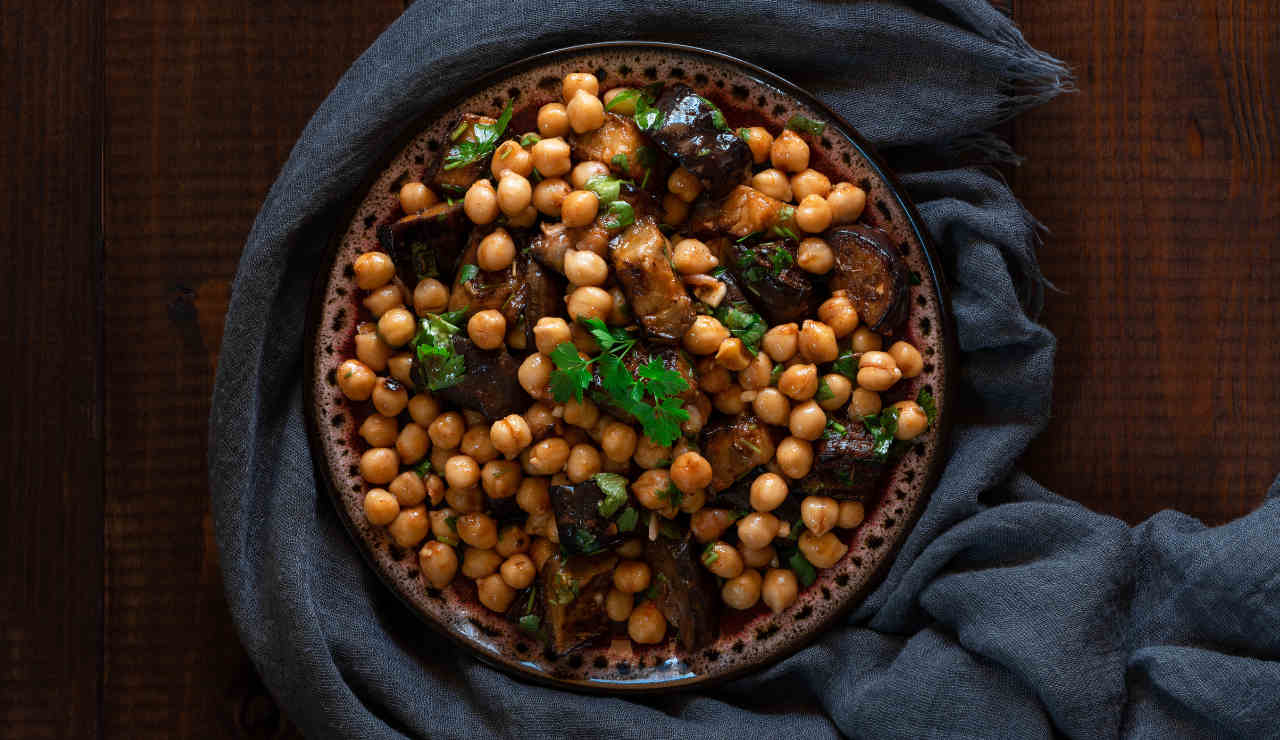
[(142, 136)]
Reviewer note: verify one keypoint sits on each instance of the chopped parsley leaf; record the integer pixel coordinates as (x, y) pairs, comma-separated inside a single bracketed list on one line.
[(529, 140), (925, 399), (486, 136), (614, 487), (882, 427), (824, 392), (627, 519), (710, 554), (806, 125), (467, 273), (620, 161), (804, 570)]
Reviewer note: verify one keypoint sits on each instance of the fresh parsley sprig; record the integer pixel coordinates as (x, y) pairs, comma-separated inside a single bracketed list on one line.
[(485, 140), (437, 366)]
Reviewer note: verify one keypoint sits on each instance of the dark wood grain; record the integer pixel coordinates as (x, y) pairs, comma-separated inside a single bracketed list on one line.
[(1160, 185), (1160, 182), (51, 577), (205, 101)]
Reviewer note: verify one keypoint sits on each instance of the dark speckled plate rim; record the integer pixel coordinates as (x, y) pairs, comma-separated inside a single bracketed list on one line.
[(515, 667)]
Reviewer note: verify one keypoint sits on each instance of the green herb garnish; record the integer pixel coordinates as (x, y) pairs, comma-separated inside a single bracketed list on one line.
[(824, 392), (606, 188), (564, 588), (485, 138), (436, 365), (627, 519), (846, 364), (531, 624), (467, 273), (709, 554), (776, 373), (743, 323), (925, 399), (914, 278), (882, 427), (620, 161), (744, 134), (652, 591), (621, 98), (717, 118), (806, 125), (529, 140), (671, 495), (834, 429), (423, 469), (614, 487), (620, 215), (781, 259), (804, 570)]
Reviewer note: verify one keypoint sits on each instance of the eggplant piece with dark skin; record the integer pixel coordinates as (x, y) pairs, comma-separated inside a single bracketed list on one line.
[(845, 466), (487, 289), (454, 183), (426, 244), (735, 446), (767, 273), (543, 294), (872, 273), (489, 384), (687, 593), (583, 528), (693, 130), (655, 294), (572, 592), (550, 244)]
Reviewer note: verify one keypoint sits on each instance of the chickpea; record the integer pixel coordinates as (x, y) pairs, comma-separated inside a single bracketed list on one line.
[(379, 430), (553, 120), (624, 107), (584, 462), (912, 420), (757, 530), (534, 375), (478, 530), (511, 157), (646, 625), (758, 374), (779, 589), (575, 81), (684, 185), (533, 496), (496, 251), (410, 526), (389, 396), (772, 407), (584, 172), (462, 471), (384, 299), (379, 465), (768, 491), (548, 196), (851, 514), (481, 203), (674, 210), (441, 528), (551, 157), (819, 513), (865, 340), (773, 183), (542, 420), (618, 605), (586, 112), (438, 563), (397, 326), (518, 571), (813, 214), (469, 500), (434, 487), (709, 524), (446, 430), (651, 489), (579, 208), (815, 256), (487, 328), (374, 270), (550, 332), (618, 441), (478, 562), (807, 421), (691, 503), (817, 342), (477, 445), (729, 401), (509, 435), (430, 296), (631, 576), (837, 391), (847, 202), (589, 302), (799, 382), (400, 365), (691, 472), (693, 257), (439, 455), (372, 351), (494, 593), (414, 197), (356, 380), (699, 411), (733, 355), (514, 193), (705, 335), (794, 457), (907, 358), (789, 152), (722, 559), (412, 444), (781, 341), (864, 403), (759, 141), (712, 377), (742, 591), (838, 313), (824, 550), (586, 268), (810, 182), (546, 457), (512, 540), (877, 371), (380, 507), (500, 478), (758, 558)]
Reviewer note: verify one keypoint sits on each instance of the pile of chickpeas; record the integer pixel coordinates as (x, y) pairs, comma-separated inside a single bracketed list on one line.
[(474, 461)]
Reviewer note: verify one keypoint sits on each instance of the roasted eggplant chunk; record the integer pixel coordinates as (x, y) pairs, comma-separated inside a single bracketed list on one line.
[(543, 294), (549, 246), (590, 515), (641, 354), (687, 593), (735, 446), (619, 144), (642, 262), (845, 466), (572, 591), (426, 244), (489, 385), (767, 273), (871, 271), (485, 289), (454, 183), (694, 131)]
